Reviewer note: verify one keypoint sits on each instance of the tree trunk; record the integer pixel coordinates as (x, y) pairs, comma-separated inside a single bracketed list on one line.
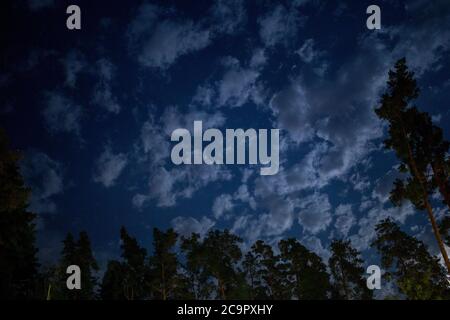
[(422, 181), (49, 295), (438, 172), (221, 290), (437, 234), (344, 282), (164, 293)]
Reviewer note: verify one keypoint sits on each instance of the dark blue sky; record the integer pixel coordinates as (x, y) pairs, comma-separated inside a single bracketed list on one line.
[(93, 111)]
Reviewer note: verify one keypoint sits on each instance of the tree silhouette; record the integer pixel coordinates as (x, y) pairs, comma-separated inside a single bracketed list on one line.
[(134, 267), (416, 143), (305, 269), (198, 284), (215, 257), (347, 270), (164, 265), (221, 256), (18, 262), (268, 273), (112, 287), (88, 266), (74, 253), (418, 275), (445, 230)]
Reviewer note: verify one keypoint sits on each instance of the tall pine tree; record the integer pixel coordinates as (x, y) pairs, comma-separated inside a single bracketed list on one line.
[(266, 273), (197, 281), (113, 283), (134, 267), (18, 263), (406, 260), (165, 280), (416, 145), (74, 252), (305, 269), (347, 270)]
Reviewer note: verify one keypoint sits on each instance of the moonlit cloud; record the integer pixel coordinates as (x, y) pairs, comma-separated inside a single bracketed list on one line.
[(109, 166)]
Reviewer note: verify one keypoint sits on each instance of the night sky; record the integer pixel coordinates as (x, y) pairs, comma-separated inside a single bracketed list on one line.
[(92, 110)]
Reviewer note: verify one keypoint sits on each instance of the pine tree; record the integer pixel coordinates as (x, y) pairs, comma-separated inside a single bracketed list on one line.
[(112, 287), (434, 149), (165, 280), (75, 253), (221, 256), (305, 269), (134, 267), (409, 136), (251, 271), (18, 263), (198, 284), (215, 262), (417, 274), (59, 289), (267, 273), (445, 230), (88, 265), (347, 270)]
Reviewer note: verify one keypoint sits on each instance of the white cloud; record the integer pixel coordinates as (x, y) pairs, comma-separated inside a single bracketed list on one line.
[(167, 185), (345, 219), (315, 245), (171, 40), (366, 232), (280, 25), (384, 185), (185, 226), (307, 52), (243, 194), (109, 166), (73, 64), (237, 86), (292, 110), (103, 92), (315, 213), (228, 15), (158, 41), (276, 217), (222, 204)]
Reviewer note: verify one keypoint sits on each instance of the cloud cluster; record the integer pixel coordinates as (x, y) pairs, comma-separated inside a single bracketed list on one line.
[(74, 63), (280, 25), (185, 226), (109, 166), (166, 184), (159, 40), (221, 205), (103, 92), (239, 84), (170, 40)]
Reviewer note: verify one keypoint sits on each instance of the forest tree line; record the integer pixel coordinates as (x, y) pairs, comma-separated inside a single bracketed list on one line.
[(216, 267)]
